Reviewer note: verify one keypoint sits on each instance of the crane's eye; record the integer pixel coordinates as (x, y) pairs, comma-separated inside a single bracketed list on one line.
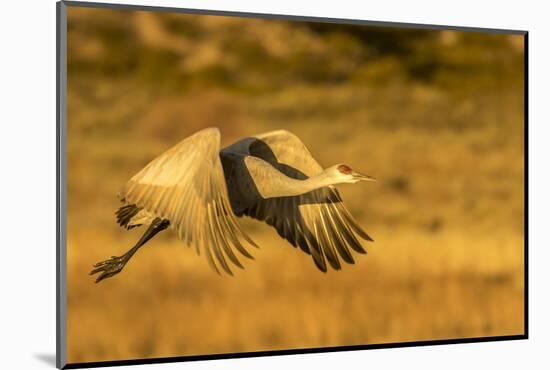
[(344, 169)]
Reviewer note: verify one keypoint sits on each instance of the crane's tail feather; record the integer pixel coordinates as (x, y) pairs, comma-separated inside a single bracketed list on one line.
[(125, 214)]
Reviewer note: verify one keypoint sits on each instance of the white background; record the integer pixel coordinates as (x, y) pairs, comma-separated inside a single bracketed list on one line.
[(27, 180)]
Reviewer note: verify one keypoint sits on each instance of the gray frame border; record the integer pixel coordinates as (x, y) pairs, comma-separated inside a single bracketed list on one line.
[(61, 185), (61, 182)]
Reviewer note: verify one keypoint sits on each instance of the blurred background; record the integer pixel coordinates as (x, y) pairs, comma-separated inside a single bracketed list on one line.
[(436, 116)]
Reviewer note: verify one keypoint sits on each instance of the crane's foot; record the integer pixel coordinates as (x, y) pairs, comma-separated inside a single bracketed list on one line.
[(114, 265), (110, 267)]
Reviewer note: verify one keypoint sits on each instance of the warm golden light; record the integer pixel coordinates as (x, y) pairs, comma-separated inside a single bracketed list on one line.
[(436, 117)]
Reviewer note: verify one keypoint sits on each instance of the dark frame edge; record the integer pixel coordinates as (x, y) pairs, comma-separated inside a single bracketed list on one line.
[(526, 181), (302, 351), (61, 118)]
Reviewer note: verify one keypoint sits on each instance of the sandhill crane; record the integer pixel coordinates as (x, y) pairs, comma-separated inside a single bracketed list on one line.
[(197, 189)]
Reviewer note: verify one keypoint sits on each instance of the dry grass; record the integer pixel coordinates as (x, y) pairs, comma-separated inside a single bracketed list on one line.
[(447, 213), (169, 303)]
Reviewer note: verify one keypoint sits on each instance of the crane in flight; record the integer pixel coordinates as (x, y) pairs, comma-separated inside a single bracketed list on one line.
[(197, 190)]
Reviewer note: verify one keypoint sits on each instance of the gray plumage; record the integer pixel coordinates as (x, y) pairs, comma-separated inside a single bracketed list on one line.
[(197, 190)]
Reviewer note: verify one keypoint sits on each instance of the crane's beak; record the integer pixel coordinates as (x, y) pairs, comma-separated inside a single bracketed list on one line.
[(363, 177)]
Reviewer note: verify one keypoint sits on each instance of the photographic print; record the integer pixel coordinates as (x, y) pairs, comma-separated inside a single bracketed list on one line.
[(240, 184)]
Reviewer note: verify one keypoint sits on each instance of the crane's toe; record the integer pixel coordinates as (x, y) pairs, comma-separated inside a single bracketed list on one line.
[(109, 268)]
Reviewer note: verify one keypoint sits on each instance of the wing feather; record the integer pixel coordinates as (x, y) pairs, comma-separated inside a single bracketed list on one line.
[(186, 185), (317, 222)]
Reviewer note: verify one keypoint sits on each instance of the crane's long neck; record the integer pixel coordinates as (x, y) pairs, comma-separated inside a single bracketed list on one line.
[(285, 186), (272, 183), (312, 183)]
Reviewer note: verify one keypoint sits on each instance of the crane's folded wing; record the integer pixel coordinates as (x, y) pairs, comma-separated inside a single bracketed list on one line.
[(186, 185)]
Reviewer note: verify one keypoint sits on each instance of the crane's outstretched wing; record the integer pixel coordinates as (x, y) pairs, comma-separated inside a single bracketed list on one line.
[(186, 185), (317, 222)]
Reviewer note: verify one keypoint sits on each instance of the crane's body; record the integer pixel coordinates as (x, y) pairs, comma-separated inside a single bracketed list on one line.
[(196, 189)]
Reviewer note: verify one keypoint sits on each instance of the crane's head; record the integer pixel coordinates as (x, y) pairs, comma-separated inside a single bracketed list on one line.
[(344, 173)]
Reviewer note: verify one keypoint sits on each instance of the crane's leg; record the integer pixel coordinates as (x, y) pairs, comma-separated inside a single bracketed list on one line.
[(114, 265)]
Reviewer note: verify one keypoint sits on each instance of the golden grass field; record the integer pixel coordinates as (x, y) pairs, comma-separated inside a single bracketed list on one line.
[(436, 116)]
